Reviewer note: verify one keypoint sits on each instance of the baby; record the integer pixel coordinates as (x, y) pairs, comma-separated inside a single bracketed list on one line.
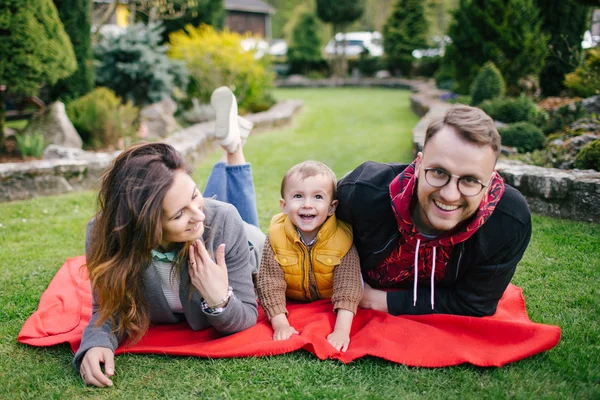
[(308, 254)]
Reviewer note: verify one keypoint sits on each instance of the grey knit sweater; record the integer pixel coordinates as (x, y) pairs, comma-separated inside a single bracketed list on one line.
[(222, 225)]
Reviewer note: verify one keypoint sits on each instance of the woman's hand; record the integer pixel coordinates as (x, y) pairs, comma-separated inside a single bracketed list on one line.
[(91, 371), (208, 277)]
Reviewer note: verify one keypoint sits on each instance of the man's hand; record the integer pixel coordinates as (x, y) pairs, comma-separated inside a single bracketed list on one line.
[(374, 299), (281, 328)]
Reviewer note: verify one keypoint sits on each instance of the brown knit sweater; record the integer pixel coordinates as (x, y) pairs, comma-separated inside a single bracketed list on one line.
[(347, 283)]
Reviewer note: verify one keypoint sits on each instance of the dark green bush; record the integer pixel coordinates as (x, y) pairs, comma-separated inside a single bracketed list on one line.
[(444, 77), (488, 84), (589, 156), (101, 119), (563, 116), (514, 109), (524, 136), (507, 32), (427, 66)]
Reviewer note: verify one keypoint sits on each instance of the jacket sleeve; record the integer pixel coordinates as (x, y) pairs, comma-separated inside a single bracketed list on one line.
[(476, 292), (347, 282), (93, 336), (241, 312), (271, 283)]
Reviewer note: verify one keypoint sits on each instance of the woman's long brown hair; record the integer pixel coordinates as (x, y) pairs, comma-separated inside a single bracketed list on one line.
[(128, 226)]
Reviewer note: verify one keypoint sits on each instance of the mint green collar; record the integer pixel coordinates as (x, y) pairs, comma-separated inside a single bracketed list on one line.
[(164, 257)]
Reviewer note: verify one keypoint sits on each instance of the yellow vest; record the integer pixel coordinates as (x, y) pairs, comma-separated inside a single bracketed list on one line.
[(333, 242)]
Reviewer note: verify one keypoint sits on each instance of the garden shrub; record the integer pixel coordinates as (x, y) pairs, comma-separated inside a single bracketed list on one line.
[(304, 51), (514, 109), (589, 156), (31, 144), (136, 67), (101, 119), (427, 66), (585, 80), (563, 116), (444, 77), (216, 59), (506, 32), (524, 136), (488, 84)]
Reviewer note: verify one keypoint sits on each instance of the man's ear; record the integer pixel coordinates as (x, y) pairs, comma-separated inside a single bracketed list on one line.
[(282, 206), (332, 208), (418, 162)]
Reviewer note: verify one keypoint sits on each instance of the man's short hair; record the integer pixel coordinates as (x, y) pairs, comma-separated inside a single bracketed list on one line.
[(310, 168), (470, 123)]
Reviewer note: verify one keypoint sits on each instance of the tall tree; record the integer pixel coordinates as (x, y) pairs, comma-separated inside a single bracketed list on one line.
[(34, 49), (404, 32), (304, 51), (565, 21), (76, 16), (506, 32), (340, 13)]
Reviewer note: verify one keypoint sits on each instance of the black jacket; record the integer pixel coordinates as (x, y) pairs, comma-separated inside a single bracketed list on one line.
[(479, 269)]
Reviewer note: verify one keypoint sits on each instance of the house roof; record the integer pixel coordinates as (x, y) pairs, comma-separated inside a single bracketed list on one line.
[(256, 6)]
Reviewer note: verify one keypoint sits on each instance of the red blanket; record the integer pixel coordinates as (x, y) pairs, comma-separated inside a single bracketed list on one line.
[(424, 341)]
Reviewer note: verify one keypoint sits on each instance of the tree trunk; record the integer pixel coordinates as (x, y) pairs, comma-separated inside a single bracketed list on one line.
[(104, 19)]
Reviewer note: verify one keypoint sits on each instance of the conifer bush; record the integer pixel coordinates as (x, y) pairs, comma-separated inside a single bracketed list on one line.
[(585, 80), (304, 52), (589, 156), (136, 67), (506, 32), (524, 136), (488, 84), (514, 109)]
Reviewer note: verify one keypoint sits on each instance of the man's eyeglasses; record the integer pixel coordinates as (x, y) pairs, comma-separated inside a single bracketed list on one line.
[(467, 186)]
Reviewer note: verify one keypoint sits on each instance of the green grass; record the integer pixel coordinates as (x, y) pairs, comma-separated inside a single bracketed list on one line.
[(342, 127)]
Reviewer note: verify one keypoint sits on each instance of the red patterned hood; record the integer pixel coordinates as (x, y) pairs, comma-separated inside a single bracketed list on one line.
[(416, 254)]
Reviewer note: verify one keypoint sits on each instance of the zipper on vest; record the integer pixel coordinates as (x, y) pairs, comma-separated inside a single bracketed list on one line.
[(305, 270)]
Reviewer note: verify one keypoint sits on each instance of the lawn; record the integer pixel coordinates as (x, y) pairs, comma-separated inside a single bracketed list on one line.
[(342, 127)]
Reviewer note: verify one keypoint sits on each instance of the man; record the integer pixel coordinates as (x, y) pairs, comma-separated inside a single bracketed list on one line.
[(446, 227)]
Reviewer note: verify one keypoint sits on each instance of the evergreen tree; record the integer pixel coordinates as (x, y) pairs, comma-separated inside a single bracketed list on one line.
[(208, 12), (136, 67), (340, 13), (565, 21), (34, 49), (76, 16), (404, 31), (488, 84), (506, 32), (304, 51)]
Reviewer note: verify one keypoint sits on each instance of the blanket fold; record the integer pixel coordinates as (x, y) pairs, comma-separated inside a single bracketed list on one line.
[(424, 341)]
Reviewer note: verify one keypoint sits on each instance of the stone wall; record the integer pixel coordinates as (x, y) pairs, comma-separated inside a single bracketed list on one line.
[(74, 169), (573, 194)]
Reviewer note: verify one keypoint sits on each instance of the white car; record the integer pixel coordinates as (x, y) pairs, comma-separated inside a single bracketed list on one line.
[(356, 43)]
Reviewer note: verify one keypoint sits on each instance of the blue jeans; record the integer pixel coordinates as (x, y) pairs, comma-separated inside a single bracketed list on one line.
[(234, 184)]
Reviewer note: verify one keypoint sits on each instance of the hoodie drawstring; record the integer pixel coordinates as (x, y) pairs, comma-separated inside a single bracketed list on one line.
[(417, 275), (416, 272), (433, 278)]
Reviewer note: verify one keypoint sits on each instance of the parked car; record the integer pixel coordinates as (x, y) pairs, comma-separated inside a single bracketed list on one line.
[(356, 43)]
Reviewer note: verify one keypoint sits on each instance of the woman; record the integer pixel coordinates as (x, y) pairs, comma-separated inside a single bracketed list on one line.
[(159, 252)]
